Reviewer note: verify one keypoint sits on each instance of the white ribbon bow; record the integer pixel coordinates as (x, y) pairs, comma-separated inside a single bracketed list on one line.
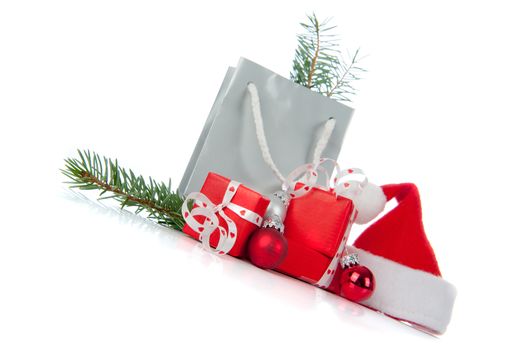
[(347, 182), (206, 208)]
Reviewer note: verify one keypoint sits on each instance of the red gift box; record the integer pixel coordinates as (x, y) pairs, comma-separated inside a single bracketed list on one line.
[(315, 226), (214, 187)]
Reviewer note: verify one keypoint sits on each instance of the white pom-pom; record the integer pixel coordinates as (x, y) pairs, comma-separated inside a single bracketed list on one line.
[(369, 203)]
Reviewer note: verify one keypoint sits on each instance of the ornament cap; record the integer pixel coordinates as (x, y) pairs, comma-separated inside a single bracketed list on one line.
[(349, 260), (273, 221), (283, 196)]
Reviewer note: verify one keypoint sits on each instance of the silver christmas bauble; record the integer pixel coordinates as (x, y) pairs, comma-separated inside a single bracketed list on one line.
[(276, 211)]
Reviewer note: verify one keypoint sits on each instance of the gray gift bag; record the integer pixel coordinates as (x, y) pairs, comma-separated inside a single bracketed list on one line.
[(293, 118)]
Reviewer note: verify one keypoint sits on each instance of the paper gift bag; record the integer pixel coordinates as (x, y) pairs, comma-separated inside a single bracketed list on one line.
[(293, 118)]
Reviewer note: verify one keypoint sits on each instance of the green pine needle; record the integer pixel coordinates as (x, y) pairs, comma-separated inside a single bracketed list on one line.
[(89, 171), (319, 65)]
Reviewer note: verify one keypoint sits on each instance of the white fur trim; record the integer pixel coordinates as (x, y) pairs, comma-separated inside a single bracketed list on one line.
[(408, 294)]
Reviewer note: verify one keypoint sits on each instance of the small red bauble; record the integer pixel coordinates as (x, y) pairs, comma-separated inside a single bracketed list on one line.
[(267, 248), (357, 283)]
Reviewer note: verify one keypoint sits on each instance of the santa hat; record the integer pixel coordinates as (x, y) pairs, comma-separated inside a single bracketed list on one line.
[(395, 248)]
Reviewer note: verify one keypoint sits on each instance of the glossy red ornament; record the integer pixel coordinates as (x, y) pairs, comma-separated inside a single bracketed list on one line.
[(357, 283), (267, 248)]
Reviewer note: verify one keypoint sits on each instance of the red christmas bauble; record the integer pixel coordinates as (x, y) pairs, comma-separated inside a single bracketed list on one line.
[(357, 283), (267, 248)]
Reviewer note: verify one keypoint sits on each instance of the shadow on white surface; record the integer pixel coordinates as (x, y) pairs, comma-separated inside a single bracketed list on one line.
[(295, 293)]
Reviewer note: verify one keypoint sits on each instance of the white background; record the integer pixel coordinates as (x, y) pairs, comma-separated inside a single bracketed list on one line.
[(442, 106)]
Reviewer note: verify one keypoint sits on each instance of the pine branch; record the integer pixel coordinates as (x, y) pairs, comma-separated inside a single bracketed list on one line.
[(316, 53), (346, 74), (319, 65), (91, 172)]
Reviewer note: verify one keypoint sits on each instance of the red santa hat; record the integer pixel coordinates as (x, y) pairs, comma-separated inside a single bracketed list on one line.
[(395, 248)]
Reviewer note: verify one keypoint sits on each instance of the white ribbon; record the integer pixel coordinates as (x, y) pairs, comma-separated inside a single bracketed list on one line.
[(347, 183), (204, 207)]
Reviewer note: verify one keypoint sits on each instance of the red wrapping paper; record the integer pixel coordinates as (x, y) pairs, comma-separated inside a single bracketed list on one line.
[(214, 188), (314, 227)]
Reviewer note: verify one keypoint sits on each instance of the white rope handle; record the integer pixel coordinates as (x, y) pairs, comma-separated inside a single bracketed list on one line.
[(261, 137), (323, 140), (259, 131)]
